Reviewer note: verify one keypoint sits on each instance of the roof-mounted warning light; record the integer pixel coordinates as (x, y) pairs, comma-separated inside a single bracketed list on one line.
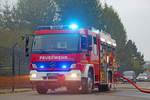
[(73, 26), (58, 27)]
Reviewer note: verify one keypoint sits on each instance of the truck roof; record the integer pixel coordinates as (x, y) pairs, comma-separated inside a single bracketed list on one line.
[(104, 37), (38, 32)]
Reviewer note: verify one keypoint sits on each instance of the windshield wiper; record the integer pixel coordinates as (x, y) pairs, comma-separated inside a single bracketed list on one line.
[(41, 51), (60, 49)]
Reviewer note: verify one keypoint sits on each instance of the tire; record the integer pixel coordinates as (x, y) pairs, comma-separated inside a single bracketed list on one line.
[(103, 87), (73, 89), (100, 88), (108, 87), (109, 84), (41, 89), (87, 87)]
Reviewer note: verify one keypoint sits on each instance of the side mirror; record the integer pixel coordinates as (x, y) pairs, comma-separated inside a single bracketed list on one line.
[(26, 46), (26, 52)]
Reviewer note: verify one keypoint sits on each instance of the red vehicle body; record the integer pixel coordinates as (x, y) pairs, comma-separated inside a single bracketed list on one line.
[(78, 59)]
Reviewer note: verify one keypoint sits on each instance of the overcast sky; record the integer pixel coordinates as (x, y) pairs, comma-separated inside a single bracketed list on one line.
[(135, 15)]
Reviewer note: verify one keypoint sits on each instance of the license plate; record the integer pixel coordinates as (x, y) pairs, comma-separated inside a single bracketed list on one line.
[(52, 74)]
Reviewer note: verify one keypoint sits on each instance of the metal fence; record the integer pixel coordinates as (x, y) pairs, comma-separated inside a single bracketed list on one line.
[(21, 63)]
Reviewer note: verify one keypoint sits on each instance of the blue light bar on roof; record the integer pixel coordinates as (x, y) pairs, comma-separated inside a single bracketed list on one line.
[(73, 26), (58, 27)]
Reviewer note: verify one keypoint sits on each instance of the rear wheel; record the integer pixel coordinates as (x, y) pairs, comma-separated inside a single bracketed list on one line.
[(109, 84), (103, 87), (41, 89), (100, 88)]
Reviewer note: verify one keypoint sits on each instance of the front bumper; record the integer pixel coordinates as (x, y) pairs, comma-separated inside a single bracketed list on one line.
[(56, 84), (72, 77)]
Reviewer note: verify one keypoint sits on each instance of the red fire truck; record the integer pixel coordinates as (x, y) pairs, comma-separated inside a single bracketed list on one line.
[(78, 59)]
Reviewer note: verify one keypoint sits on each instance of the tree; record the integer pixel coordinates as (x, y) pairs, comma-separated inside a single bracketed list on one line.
[(1, 17), (25, 17), (28, 14), (91, 13), (6, 21), (111, 23), (83, 12), (133, 57)]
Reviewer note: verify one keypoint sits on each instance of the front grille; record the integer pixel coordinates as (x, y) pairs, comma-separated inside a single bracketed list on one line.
[(53, 64)]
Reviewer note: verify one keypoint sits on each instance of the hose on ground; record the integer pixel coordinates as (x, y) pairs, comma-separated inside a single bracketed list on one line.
[(133, 84)]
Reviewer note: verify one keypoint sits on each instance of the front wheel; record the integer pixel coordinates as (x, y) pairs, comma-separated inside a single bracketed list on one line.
[(100, 88), (73, 89), (41, 89), (87, 84)]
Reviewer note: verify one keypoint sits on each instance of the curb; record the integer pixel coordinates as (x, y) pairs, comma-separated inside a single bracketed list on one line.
[(10, 92)]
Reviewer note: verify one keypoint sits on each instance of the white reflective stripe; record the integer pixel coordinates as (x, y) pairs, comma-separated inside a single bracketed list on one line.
[(85, 73)]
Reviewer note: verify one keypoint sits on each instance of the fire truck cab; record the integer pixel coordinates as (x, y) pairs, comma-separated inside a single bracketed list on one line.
[(79, 59)]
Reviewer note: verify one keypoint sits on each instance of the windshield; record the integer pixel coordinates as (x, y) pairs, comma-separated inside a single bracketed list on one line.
[(56, 43)]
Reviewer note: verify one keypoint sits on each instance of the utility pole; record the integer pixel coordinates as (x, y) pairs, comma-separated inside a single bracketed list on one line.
[(19, 64), (13, 67)]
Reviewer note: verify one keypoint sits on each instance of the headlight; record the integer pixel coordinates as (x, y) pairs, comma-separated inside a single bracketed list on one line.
[(33, 75), (74, 75), (145, 77)]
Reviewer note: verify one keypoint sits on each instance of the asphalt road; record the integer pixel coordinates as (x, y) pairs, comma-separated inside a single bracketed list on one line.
[(143, 85), (127, 92), (132, 93), (118, 94)]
